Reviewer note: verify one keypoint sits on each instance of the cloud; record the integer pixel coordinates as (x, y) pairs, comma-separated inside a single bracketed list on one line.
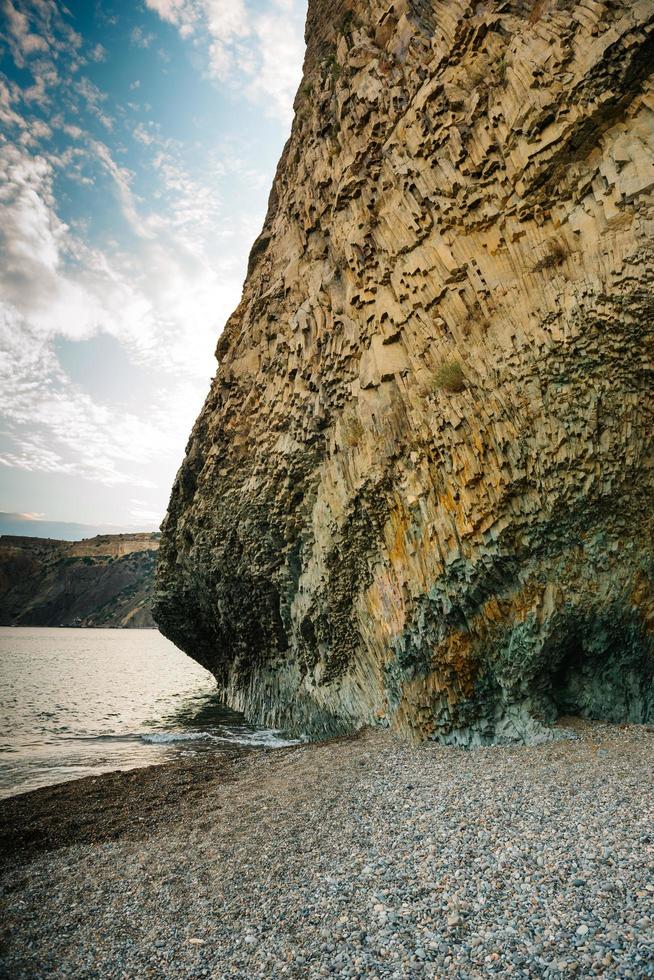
[(34, 457), (174, 11), (122, 179), (98, 53), (258, 52), (57, 427), (93, 98), (227, 19), (163, 303), (281, 49), (24, 40), (30, 232), (141, 38), (165, 270), (168, 294), (143, 134)]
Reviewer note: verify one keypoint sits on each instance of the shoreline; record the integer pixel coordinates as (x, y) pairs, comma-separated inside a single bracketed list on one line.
[(359, 857), (102, 807)]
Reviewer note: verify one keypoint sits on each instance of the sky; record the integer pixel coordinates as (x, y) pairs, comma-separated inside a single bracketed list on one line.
[(138, 142)]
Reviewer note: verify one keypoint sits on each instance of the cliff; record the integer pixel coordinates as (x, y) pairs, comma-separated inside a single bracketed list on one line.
[(419, 493), (103, 581)]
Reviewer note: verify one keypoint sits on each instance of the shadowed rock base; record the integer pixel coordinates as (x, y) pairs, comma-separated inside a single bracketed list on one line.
[(420, 491)]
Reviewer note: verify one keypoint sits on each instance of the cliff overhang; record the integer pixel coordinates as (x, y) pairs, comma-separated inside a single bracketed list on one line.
[(419, 493)]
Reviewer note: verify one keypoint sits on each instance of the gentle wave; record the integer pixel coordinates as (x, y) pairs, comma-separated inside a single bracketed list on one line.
[(227, 736), (164, 738), (264, 739), (80, 702)]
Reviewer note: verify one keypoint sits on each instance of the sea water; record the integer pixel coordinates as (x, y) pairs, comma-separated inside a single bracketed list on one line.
[(78, 702)]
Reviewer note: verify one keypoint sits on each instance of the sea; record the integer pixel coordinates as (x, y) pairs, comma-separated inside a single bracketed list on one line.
[(79, 702)]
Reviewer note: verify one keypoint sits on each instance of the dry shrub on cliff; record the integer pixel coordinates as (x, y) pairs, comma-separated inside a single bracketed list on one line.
[(349, 23), (556, 253), (352, 430), (476, 321), (334, 67), (499, 68), (478, 73), (449, 376)]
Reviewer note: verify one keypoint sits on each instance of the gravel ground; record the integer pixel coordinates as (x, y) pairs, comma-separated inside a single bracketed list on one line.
[(362, 857)]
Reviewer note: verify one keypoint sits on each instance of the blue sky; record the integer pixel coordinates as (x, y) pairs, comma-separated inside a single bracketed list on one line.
[(138, 142)]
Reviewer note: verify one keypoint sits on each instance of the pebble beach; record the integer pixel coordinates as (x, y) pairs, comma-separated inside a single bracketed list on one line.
[(360, 857)]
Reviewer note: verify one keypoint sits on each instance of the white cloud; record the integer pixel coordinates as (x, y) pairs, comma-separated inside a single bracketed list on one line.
[(30, 232), (9, 96), (98, 53), (164, 305), (141, 38), (93, 98), (143, 134), (166, 270), (227, 19), (174, 11), (56, 427), (122, 179), (34, 457), (75, 132), (20, 32), (259, 53), (281, 50)]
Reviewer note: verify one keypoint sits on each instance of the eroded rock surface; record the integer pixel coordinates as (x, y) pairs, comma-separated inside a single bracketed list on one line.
[(420, 490)]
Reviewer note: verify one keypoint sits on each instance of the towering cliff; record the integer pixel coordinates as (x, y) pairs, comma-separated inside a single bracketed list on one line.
[(420, 490), (102, 581)]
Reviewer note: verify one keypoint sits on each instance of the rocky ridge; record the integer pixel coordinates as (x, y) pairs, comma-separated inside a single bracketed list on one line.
[(420, 491), (102, 581)]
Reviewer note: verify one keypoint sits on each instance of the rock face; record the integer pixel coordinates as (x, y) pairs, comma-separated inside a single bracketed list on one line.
[(103, 581), (420, 490)]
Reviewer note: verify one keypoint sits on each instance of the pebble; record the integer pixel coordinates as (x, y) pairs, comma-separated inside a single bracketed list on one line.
[(515, 862)]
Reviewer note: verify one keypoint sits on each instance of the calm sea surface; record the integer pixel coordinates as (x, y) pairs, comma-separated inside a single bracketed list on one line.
[(78, 702)]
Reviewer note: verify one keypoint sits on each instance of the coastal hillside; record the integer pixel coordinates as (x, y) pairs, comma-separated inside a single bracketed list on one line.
[(102, 581), (419, 493)]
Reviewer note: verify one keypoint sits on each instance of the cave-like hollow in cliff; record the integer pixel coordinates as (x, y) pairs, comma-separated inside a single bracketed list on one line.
[(603, 673)]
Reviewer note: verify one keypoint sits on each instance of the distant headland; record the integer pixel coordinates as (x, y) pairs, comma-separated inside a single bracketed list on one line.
[(103, 581)]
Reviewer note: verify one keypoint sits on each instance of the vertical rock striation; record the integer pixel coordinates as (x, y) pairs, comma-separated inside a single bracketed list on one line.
[(420, 490)]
